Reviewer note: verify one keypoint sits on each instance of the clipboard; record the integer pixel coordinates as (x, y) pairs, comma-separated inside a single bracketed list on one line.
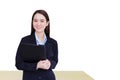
[(32, 53)]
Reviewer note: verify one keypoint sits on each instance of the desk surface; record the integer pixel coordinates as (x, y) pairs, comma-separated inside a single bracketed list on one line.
[(60, 75), (72, 75)]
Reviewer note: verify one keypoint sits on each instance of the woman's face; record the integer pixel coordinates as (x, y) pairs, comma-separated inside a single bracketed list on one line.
[(39, 23)]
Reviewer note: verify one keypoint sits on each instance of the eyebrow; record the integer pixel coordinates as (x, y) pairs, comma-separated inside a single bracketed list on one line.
[(38, 19)]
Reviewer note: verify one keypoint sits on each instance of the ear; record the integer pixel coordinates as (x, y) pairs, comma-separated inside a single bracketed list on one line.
[(47, 23)]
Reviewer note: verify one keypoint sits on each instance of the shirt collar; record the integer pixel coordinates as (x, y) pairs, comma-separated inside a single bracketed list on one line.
[(38, 42)]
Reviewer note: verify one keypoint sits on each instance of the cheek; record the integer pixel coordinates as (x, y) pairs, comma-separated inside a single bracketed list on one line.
[(44, 25), (34, 24)]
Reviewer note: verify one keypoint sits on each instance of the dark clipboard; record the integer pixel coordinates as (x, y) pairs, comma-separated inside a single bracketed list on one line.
[(32, 53)]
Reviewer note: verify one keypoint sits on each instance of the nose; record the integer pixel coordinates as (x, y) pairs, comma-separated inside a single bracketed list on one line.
[(38, 23)]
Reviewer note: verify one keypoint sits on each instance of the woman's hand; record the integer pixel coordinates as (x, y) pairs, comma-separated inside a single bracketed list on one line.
[(44, 64)]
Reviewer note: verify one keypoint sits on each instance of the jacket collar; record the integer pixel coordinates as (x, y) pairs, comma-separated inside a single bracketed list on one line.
[(33, 40)]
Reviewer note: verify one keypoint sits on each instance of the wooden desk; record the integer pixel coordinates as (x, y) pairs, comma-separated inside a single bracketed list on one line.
[(60, 75)]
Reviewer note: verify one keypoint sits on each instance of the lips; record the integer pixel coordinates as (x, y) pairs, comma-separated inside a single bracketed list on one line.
[(38, 27)]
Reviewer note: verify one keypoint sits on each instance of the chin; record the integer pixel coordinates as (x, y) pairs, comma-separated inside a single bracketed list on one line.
[(39, 31)]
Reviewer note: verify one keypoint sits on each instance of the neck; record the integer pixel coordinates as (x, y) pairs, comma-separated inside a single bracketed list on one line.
[(40, 35)]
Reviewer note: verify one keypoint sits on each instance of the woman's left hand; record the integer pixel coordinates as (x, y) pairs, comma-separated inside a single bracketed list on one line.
[(47, 64)]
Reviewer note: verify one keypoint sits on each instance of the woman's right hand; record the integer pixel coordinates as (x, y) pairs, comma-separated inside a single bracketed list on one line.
[(43, 64)]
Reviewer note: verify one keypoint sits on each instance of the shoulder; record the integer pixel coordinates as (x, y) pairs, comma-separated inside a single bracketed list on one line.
[(27, 38), (53, 41)]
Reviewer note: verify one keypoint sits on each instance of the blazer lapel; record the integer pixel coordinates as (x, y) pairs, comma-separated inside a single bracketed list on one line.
[(32, 39)]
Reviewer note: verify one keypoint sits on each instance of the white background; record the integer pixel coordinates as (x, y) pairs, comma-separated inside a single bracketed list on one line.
[(87, 31)]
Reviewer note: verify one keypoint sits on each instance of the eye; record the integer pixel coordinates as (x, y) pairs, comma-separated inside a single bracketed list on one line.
[(42, 20), (35, 20)]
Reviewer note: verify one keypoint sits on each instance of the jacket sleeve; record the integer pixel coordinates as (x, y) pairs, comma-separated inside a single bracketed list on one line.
[(21, 65), (54, 59)]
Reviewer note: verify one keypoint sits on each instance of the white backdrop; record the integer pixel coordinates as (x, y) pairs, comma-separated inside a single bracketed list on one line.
[(87, 31)]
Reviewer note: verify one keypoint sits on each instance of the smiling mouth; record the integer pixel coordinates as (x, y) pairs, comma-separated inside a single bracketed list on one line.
[(38, 27)]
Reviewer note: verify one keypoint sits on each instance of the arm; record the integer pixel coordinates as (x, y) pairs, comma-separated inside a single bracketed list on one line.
[(21, 65), (54, 59)]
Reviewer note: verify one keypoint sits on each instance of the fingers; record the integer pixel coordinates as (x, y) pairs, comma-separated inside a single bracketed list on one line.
[(44, 64)]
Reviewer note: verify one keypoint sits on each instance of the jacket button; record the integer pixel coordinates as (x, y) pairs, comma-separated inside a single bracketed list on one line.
[(39, 77)]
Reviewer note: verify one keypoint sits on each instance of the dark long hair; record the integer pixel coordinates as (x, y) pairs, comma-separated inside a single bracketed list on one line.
[(47, 29)]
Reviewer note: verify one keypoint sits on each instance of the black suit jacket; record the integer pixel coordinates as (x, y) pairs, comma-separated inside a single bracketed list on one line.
[(29, 69)]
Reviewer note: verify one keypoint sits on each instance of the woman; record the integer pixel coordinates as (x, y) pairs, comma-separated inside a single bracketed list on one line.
[(40, 35)]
